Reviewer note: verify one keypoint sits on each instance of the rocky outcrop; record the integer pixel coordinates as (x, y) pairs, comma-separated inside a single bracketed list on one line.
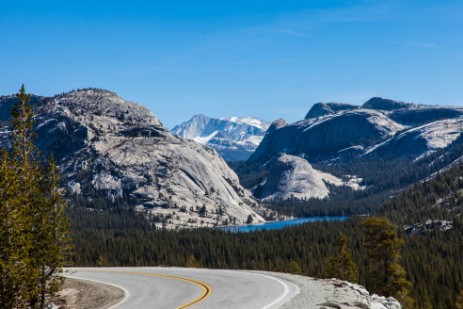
[(321, 138), (344, 295), (385, 104), (293, 177), (235, 138), (333, 293), (323, 109), (121, 150), (319, 110)]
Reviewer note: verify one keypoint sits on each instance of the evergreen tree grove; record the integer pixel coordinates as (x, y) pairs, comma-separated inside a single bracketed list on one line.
[(34, 229)]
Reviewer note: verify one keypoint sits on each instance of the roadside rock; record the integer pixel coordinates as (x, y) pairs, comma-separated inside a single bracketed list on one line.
[(333, 293)]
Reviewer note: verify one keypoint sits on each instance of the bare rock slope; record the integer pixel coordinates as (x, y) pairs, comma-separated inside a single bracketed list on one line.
[(327, 135), (338, 133), (120, 149), (293, 177)]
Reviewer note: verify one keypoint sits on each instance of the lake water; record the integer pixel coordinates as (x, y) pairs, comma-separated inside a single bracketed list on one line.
[(275, 225)]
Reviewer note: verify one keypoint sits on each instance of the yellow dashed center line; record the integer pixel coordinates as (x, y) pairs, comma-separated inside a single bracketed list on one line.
[(206, 289)]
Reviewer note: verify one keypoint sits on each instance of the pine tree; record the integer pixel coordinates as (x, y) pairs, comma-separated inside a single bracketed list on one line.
[(102, 261), (294, 268), (341, 265), (51, 242), (14, 239), (192, 262), (386, 275), (35, 209)]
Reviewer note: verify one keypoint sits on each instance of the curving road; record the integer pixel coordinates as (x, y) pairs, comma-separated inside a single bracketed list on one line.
[(166, 287)]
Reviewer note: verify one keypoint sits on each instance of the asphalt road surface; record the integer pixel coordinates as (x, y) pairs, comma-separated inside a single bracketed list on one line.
[(171, 287)]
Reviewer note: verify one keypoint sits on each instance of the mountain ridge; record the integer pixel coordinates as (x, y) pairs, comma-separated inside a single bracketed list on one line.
[(338, 133)]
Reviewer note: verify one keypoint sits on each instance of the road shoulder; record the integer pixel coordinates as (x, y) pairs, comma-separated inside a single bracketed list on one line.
[(80, 294)]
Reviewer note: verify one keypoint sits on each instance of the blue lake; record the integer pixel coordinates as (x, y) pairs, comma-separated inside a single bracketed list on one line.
[(275, 225)]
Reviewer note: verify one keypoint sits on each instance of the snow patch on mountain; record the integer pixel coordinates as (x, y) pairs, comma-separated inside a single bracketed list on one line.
[(204, 139), (252, 121), (442, 133), (234, 138)]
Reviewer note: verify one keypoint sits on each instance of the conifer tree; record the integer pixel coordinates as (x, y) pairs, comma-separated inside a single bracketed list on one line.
[(14, 239), (294, 268), (192, 262), (34, 233), (386, 275), (51, 242), (341, 265)]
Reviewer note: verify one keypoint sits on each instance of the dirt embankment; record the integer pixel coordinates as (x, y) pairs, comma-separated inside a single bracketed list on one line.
[(80, 294)]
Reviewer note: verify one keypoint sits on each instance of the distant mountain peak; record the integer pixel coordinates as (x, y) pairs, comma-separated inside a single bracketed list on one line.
[(321, 109), (234, 138)]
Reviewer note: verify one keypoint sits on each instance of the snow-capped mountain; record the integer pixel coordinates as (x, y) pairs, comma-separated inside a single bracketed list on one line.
[(106, 144), (380, 129), (235, 138)]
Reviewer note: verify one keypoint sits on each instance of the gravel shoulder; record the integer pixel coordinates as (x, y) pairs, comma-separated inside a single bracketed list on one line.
[(81, 294)]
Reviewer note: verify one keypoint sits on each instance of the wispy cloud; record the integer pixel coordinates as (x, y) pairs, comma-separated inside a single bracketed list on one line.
[(283, 31), (418, 44), (255, 62)]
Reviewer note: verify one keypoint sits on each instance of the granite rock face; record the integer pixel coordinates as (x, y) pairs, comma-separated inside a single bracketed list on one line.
[(322, 109), (326, 136), (385, 104), (337, 133), (294, 177), (106, 144), (333, 293)]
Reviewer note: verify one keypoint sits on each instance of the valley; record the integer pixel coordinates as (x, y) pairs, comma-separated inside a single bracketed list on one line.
[(231, 154), (134, 187)]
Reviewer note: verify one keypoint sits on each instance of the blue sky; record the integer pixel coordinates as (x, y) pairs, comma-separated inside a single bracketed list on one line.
[(270, 59)]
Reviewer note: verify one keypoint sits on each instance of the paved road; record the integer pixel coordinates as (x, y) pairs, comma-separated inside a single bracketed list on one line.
[(165, 287)]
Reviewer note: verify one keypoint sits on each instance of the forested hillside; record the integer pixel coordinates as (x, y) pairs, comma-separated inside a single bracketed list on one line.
[(382, 179), (432, 258)]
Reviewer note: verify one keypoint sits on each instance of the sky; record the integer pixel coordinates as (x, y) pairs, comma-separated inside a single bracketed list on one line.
[(264, 58)]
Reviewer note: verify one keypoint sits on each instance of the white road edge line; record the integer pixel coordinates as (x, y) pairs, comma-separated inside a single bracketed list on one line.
[(282, 296), (126, 293)]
